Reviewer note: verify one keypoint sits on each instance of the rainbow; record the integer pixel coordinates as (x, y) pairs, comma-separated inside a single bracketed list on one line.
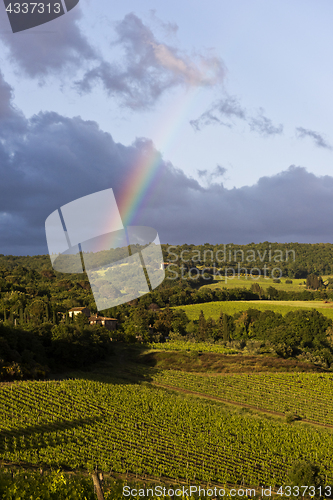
[(137, 191)]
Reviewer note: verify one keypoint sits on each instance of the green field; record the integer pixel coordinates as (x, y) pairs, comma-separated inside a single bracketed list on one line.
[(121, 428), (213, 309), (297, 285), (308, 395), (191, 346)]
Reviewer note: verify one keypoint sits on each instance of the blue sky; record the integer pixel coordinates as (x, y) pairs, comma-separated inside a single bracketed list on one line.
[(236, 96)]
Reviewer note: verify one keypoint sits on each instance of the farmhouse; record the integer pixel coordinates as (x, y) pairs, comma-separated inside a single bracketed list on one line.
[(109, 323), (164, 265), (77, 310)]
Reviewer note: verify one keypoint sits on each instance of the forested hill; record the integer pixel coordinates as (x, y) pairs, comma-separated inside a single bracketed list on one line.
[(37, 262), (295, 260)]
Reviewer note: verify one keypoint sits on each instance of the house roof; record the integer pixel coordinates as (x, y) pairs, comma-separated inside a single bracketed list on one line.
[(77, 309), (153, 306)]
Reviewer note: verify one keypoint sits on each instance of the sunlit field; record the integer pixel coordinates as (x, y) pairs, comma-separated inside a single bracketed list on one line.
[(213, 309), (297, 285)]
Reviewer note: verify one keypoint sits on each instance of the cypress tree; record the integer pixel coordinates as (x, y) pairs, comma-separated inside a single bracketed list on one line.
[(202, 326), (220, 322), (224, 327), (226, 335)]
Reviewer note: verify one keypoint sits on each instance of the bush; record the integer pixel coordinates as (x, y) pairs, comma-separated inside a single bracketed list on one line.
[(292, 417), (305, 474)]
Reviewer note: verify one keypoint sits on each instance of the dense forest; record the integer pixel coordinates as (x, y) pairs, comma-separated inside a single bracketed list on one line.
[(296, 260)]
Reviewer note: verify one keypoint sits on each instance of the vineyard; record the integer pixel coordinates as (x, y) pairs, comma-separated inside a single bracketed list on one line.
[(140, 429), (309, 395), (191, 346), (213, 309), (52, 485), (25, 484)]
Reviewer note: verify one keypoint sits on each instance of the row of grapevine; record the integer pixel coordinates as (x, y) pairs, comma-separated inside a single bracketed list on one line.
[(309, 395), (191, 346), (25, 484), (138, 429)]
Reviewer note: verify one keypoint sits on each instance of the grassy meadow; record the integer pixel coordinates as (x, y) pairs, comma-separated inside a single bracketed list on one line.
[(241, 281), (213, 309)]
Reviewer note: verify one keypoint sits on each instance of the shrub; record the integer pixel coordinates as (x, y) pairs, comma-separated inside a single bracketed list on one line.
[(292, 417), (305, 474)]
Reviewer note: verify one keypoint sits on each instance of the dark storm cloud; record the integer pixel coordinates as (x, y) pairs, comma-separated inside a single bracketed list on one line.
[(50, 160), (58, 159), (291, 206), (230, 108), (6, 109), (48, 49), (11, 119), (318, 139), (149, 67)]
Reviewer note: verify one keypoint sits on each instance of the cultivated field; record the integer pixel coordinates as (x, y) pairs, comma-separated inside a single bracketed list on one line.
[(123, 428), (307, 395)]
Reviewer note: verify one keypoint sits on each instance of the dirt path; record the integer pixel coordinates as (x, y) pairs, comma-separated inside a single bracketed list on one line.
[(234, 403)]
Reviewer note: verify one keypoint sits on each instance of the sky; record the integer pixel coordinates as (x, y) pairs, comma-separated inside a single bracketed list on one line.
[(211, 121)]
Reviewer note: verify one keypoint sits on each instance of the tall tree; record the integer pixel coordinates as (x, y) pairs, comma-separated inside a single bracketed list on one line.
[(202, 326)]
